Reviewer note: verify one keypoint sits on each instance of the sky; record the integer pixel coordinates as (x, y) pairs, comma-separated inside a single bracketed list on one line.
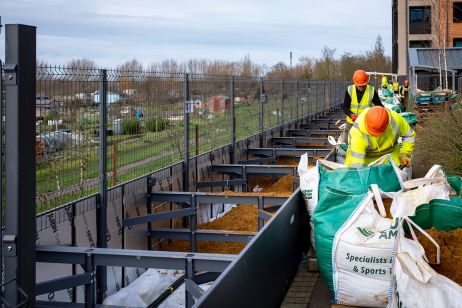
[(111, 32)]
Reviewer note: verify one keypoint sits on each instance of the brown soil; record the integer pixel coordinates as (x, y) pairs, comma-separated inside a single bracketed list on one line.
[(281, 188), (450, 250), (243, 218), (262, 181), (291, 162), (288, 161), (387, 204)]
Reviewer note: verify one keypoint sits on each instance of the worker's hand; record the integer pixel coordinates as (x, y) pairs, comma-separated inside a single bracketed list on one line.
[(405, 160), (354, 117)]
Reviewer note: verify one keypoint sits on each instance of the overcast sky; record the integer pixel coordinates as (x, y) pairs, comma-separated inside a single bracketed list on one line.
[(111, 32)]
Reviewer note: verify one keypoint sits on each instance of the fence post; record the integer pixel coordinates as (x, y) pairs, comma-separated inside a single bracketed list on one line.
[(308, 103), (281, 109), (260, 118), (317, 99), (101, 209), (232, 124), (186, 134), (20, 223), (296, 99)]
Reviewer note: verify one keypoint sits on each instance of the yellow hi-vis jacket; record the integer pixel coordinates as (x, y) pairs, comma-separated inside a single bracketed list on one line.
[(366, 101), (364, 148)]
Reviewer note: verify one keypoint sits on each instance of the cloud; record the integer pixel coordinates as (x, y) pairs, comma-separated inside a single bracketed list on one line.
[(112, 32)]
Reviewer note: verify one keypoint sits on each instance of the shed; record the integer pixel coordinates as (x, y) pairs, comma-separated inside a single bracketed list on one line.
[(219, 103)]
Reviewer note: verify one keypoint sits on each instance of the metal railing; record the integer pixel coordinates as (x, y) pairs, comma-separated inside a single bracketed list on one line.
[(145, 121)]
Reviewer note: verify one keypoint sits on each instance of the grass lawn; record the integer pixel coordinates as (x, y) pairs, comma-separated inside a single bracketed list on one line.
[(154, 150)]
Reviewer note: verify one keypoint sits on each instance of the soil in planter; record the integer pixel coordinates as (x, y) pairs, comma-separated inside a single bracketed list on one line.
[(243, 218), (450, 250)]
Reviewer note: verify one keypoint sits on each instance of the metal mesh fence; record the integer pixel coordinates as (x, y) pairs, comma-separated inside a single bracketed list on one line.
[(430, 81), (145, 121), (247, 106)]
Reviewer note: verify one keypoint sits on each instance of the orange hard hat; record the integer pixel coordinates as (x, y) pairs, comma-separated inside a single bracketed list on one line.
[(406, 82), (376, 120), (360, 78)]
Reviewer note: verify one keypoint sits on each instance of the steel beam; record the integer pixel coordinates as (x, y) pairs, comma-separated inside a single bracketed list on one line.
[(271, 159), (232, 148), (201, 278), (101, 208), (20, 221), (264, 216), (171, 196), (133, 258), (287, 152), (254, 169), (211, 198), (298, 140), (222, 183), (192, 288), (186, 134), (63, 283), (313, 132), (157, 217), (46, 304), (233, 199), (202, 235)]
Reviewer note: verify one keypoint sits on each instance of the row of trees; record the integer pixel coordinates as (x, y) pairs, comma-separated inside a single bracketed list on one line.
[(330, 66)]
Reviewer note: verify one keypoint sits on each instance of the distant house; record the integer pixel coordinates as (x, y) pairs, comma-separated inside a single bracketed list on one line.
[(218, 103), (111, 97), (129, 92), (44, 105), (83, 96)]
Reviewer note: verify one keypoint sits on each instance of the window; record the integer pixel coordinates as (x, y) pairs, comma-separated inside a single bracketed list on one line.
[(457, 12), (457, 42), (420, 20), (420, 44)]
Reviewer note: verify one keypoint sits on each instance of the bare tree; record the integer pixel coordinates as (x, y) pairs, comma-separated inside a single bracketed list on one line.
[(325, 66), (376, 59), (132, 65), (81, 64), (279, 71)]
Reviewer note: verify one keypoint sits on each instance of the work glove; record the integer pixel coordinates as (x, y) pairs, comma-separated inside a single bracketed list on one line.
[(405, 160), (353, 117)]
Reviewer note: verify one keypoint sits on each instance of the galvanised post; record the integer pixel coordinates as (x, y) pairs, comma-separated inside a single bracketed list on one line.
[(150, 181), (260, 118), (193, 224), (296, 99), (308, 104), (20, 223), (1, 161), (261, 222), (282, 105), (317, 98), (189, 269), (90, 299), (232, 125), (101, 209), (186, 134)]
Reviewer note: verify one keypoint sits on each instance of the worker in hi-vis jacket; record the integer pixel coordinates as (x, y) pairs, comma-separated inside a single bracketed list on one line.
[(375, 133), (358, 97)]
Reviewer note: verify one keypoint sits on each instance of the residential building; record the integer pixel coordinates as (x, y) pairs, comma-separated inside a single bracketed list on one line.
[(423, 24)]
